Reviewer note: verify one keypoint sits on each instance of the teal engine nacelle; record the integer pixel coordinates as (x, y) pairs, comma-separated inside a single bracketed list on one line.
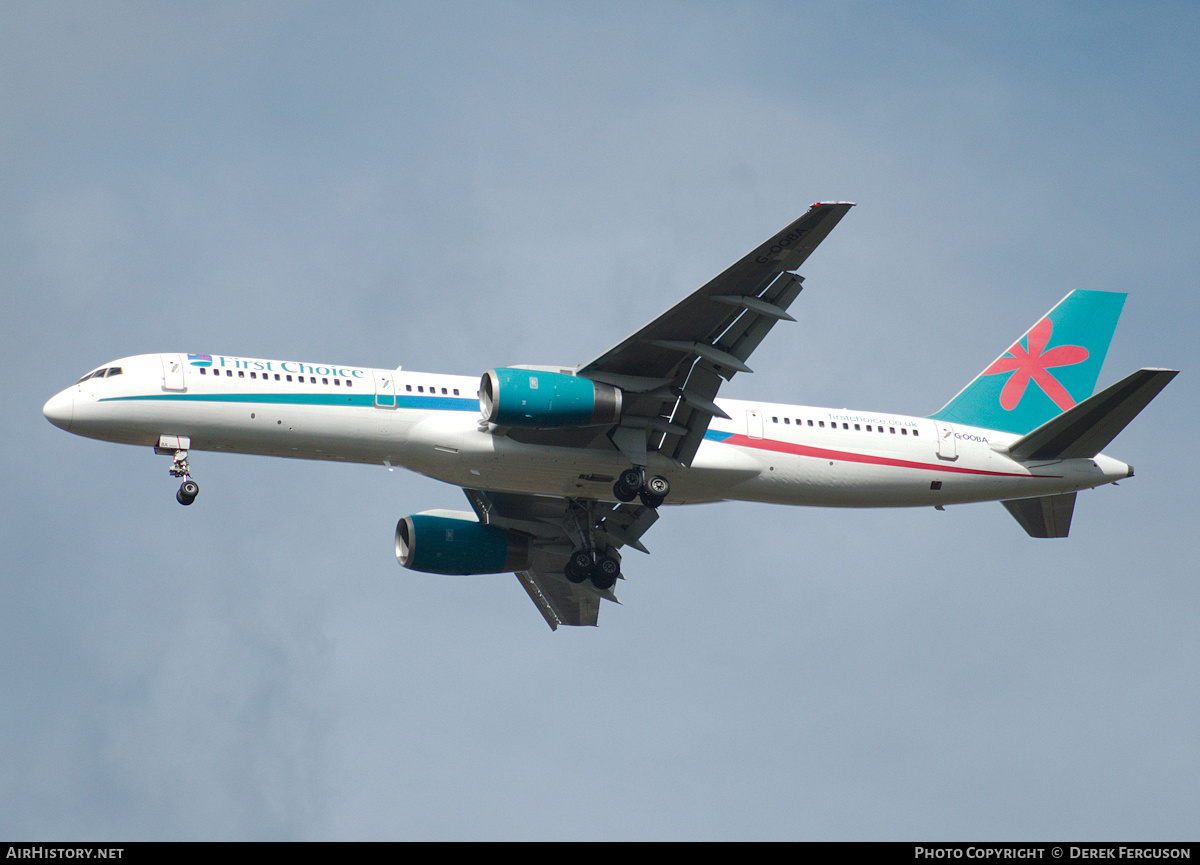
[(542, 400), (454, 542)]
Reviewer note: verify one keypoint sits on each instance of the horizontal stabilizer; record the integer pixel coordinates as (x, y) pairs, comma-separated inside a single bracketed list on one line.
[(1045, 517), (1084, 430)]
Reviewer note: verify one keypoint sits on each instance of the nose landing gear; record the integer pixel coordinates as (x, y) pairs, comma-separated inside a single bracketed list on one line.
[(633, 483), (189, 489), (177, 448)]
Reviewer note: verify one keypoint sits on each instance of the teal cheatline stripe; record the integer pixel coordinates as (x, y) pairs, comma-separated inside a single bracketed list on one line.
[(427, 403), (1052, 367), (273, 398), (437, 403), (716, 435)]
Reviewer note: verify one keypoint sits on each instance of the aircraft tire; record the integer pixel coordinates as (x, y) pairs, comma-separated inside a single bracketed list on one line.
[(631, 479), (658, 486), (579, 567), (188, 490), (607, 571), (624, 493), (650, 501)]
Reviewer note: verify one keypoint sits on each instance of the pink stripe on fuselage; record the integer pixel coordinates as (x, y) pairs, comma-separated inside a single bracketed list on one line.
[(848, 456)]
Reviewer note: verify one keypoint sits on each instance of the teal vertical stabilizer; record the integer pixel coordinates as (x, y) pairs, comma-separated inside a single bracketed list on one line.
[(1047, 371)]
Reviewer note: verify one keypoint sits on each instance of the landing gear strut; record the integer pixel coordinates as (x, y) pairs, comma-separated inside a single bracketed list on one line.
[(189, 489), (633, 483), (591, 561)]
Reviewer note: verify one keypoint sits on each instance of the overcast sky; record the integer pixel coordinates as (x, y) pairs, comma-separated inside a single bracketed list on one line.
[(451, 187)]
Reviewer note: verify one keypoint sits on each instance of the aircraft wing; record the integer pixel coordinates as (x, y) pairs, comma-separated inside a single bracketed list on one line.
[(671, 369), (556, 527)]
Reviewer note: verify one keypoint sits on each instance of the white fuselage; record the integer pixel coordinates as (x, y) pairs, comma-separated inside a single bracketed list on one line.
[(430, 423)]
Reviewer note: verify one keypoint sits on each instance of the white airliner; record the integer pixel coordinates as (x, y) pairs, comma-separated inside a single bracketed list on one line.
[(564, 466)]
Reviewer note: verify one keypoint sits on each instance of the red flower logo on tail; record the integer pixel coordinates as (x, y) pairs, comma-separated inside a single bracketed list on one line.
[(1033, 364)]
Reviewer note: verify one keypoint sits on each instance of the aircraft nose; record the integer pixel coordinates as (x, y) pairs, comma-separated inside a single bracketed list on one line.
[(59, 409)]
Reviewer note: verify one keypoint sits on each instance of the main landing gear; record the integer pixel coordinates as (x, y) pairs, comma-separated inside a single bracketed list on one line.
[(189, 489), (593, 559), (603, 570), (633, 483)]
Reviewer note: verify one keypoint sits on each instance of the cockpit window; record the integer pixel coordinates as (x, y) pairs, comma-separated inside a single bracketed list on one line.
[(101, 373)]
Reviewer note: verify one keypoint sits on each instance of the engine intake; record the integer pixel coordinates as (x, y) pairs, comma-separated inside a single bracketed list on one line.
[(456, 543), (544, 400)]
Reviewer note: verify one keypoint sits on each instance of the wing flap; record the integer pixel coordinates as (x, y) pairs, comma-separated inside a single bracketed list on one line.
[(559, 601)]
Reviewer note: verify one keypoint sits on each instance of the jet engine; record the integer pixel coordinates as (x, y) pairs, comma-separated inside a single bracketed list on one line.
[(455, 542), (544, 400)]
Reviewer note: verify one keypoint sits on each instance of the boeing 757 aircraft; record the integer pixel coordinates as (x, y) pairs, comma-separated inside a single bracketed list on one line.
[(565, 466)]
